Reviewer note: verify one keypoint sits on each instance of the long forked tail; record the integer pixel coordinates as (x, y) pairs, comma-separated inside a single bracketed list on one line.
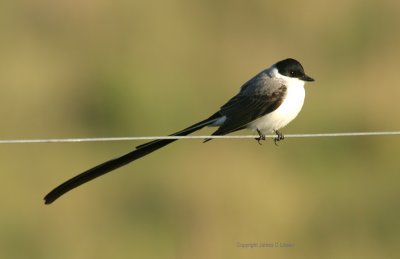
[(115, 163)]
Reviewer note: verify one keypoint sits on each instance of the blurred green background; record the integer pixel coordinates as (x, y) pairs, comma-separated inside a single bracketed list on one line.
[(136, 68)]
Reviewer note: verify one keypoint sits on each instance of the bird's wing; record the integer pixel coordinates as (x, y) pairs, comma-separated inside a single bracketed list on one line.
[(246, 107)]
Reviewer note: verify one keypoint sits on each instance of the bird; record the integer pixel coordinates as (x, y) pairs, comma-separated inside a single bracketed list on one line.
[(264, 104)]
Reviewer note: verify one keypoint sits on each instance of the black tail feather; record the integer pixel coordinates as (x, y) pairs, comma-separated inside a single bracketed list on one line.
[(140, 151)]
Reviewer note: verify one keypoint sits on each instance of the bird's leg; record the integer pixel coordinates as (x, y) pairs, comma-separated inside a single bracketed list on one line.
[(261, 137), (279, 137)]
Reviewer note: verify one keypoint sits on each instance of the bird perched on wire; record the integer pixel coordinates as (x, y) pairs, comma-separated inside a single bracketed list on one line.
[(266, 103)]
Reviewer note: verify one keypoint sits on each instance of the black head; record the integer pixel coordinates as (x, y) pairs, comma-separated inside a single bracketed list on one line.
[(292, 68)]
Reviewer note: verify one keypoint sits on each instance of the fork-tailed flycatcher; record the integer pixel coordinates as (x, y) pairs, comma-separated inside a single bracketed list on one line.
[(265, 104)]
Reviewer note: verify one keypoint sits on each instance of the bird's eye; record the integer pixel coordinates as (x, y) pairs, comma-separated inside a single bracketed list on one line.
[(292, 73)]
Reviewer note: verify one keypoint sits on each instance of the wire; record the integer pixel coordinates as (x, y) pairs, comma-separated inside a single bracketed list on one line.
[(311, 135)]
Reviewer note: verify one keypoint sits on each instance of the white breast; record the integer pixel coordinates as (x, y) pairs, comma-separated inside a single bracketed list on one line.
[(286, 112)]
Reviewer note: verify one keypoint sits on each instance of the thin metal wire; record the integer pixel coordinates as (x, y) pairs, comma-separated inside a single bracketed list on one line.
[(311, 135)]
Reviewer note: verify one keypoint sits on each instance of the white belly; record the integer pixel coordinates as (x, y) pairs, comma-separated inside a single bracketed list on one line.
[(284, 114)]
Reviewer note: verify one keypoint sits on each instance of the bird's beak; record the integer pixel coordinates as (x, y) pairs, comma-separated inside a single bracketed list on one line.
[(307, 78)]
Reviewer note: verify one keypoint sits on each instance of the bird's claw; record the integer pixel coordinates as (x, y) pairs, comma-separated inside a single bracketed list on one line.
[(279, 137), (261, 137)]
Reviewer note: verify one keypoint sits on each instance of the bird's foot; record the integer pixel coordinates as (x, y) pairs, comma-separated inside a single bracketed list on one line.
[(261, 137), (279, 137)]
